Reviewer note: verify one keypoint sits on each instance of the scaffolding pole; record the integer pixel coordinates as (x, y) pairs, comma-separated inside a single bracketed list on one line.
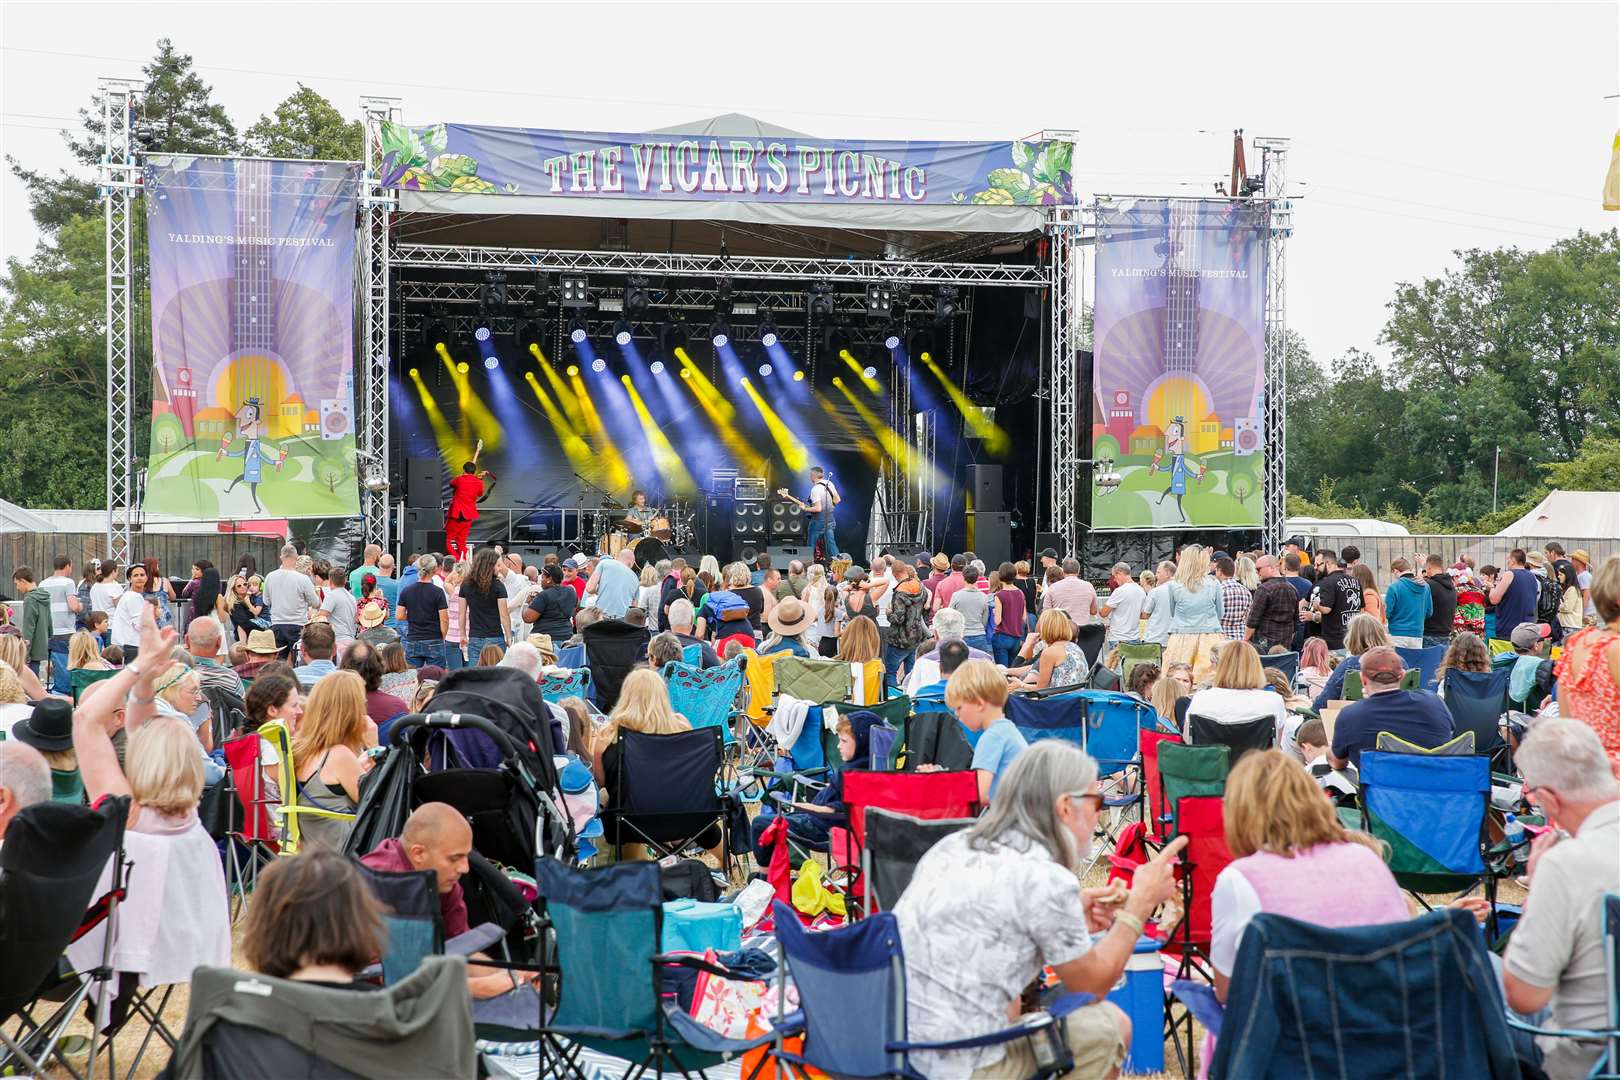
[(120, 179), (1274, 172), (376, 206), (1063, 381)]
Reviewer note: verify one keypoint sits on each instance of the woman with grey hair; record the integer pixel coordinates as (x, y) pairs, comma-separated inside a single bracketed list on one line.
[(523, 656), (993, 904)]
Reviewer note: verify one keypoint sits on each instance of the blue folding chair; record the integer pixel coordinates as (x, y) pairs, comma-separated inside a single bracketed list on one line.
[(706, 697), (1286, 662), (1037, 719), (555, 686), (692, 654), (852, 990), (1406, 999), (1114, 723), (1607, 1065), (606, 925), (1477, 701), (1424, 661)]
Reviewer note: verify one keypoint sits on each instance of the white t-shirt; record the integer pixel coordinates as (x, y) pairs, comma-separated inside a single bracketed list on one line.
[(1584, 580), (1125, 614), (60, 588), (125, 619), (104, 596), (1159, 614), (821, 497), (1235, 706), (340, 606)]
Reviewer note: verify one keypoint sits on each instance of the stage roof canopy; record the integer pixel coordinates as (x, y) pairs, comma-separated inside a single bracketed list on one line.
[(504, 204)]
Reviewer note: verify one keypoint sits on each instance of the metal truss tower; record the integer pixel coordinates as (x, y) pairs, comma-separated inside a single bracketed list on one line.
[(1063, 376), (1274, 172), (120, 182), (376, 246)]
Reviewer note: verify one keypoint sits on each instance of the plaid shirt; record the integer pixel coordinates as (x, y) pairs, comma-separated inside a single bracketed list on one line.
[(1235, 602)]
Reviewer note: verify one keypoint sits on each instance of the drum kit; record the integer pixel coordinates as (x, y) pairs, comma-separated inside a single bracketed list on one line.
[(649, 541)]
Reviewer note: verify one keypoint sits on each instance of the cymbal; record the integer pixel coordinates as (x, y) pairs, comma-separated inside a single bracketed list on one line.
[(630, 525)]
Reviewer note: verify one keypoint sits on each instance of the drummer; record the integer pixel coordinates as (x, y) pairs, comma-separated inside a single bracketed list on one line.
[(639, 516)]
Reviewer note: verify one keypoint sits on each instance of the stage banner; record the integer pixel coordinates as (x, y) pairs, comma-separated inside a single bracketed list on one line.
[(776, 169), (252, 271), (1178, 374)]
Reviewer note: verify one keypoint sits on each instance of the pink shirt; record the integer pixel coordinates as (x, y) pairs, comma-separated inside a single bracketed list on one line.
[(1075, 595), (946, 589)]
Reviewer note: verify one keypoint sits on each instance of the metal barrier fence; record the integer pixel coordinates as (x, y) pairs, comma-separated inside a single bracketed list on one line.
[(1379, 551)]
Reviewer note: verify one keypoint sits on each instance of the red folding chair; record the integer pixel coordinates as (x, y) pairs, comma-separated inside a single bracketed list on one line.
[(255, 842), (1158, 820), (1203, 822), (929, 796)]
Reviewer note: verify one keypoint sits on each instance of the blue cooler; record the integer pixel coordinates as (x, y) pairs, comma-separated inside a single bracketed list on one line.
[(693, 926), (1141, 996)]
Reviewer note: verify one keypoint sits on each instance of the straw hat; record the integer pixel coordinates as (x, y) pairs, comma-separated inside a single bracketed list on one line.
[(1579, 555), (262, 642), (542, 644), (940, 562), (790, 618), (371, 615)]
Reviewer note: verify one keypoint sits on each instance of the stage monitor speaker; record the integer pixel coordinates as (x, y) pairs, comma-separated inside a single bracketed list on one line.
[(424, 531), (989, 536), (782, 554), (984, 488), (1044, 540), (424, 483)]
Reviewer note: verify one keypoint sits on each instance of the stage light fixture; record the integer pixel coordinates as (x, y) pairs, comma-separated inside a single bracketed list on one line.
[(625, 379), (636, 298), (481, 334), (492, 294), (529, 330), (576, 291), (798, 376), (462, 367), (945, 303), (821, 300), (765, 371), (743, 381), (599, 364), (673, 333), (869, 372), (657, 367), (891, 337), (719, 333), (576, 331), (722, 296), (767, 331), (622, 333), (436, 329), (415, 374), (879, 300), (573, 369), (686, 373), (492, 362)]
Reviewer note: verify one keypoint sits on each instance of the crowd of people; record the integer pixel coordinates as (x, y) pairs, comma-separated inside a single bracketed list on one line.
[(112, 684)]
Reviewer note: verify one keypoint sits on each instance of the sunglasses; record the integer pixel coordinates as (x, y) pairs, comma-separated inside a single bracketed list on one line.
[(1092, 797)]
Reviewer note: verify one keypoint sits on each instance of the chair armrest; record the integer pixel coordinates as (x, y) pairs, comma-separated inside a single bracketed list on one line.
[(1564, 1033), (697, 963), (470, 941), (1032, 1023)]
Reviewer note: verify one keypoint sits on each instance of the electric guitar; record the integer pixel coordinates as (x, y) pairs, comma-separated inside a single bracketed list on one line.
[(832, 493)]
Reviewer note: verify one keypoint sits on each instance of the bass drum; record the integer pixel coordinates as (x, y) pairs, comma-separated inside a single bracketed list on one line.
[(647, 550), (659, 527), (611, 544)]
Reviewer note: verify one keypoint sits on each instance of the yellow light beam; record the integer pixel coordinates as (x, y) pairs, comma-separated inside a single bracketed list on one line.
[(995, 439), (701, 382), (665, 458), (612, 467), (793, 451), (869, 449), (894, 444), (860, 371), (452, 449), (579, 455), (565, 396), (473, 410)]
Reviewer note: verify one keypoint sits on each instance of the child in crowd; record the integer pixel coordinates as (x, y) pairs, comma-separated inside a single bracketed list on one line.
[(812, 822), (97, 624), (114, 655), (977, 693), (1315, 665), (1313, 747), (1143, 678)]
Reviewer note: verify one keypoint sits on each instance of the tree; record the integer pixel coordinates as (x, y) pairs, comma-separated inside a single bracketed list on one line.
[(306, 125), (177, 116)]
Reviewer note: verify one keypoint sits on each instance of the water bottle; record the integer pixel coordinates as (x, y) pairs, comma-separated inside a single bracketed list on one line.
[(1513, 834)]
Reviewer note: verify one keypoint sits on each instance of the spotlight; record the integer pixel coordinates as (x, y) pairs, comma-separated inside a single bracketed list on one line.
[(573, 369), (576, 291), (686, 373), (764, 371), (529, 330), (622, 333), (481, 334), (719, 333), (926, 358), (767, 331), (492, 362), (636, 298), (415, 374), (821, 300), (722, 296), (657, 367), (891, 337), (869, 372), (838, 380), (492, 295), (798, 376), (576, 331), (599, 364), (462, 367), (625, 379), (436, 329), (673, 333), (879, 300), (945, 303), (743, 380)]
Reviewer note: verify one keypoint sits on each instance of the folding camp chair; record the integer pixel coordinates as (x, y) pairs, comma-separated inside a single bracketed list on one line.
[(895, 712), (706, 697), (1409, 999), (1459, 746), (607, 925), (613, 647), (1114, 725), (83, 677), (1259, 733), (50, 866), (1287, 663), (289, 811), (226, 711), (1424, 661), (1037, 719), (819, 682), (895, 843), (852, 988), (1352, 688), (1433, 812), (1607, 1066), (1149, 743), (668, 794), (929, 796), (412, 915), (1090, 638), (934, 736), (557, 685), (1132, 654), (1477, 701), (1189, 771), (253, 843), (1202, 820), (882, 742)]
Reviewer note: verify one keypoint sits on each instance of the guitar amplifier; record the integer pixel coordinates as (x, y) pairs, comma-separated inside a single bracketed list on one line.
[(749, 489)]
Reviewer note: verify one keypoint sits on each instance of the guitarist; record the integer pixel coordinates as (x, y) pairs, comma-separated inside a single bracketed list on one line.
[(823, 498), (466, 492)]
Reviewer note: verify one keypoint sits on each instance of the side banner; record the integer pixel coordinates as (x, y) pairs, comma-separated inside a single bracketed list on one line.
[(786, 169), (1179, 370), (252, 266)]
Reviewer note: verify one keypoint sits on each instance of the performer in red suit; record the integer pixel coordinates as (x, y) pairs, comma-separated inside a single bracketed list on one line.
[(466, 492)]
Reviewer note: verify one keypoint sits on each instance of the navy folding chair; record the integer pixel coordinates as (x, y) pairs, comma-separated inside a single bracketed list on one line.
[(852, 990), (1425, 661), (1259, 733), (1477, 701), (1287, 663), (1061, 717)]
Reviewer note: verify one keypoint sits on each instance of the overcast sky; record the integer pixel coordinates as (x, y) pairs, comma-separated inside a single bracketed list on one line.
[(1417, 128)]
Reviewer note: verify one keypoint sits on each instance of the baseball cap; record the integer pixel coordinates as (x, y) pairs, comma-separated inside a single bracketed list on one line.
[(1382, 665), (1049, 553), (1527, 634)]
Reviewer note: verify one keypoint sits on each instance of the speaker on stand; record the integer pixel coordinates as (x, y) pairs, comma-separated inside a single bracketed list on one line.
[(424, 483)]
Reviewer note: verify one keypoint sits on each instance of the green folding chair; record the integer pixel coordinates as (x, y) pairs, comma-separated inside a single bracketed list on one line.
[(1190, 770), (83, 677), (1132, 655)]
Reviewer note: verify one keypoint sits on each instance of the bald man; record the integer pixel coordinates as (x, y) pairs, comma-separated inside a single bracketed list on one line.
[(436, 838)]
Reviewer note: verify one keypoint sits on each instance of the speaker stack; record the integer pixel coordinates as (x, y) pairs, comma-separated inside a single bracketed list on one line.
[(750, 518), (989, 527)]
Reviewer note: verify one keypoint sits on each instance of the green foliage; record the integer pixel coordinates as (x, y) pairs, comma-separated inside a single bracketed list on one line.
[(1040, 174), (306, 125)]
